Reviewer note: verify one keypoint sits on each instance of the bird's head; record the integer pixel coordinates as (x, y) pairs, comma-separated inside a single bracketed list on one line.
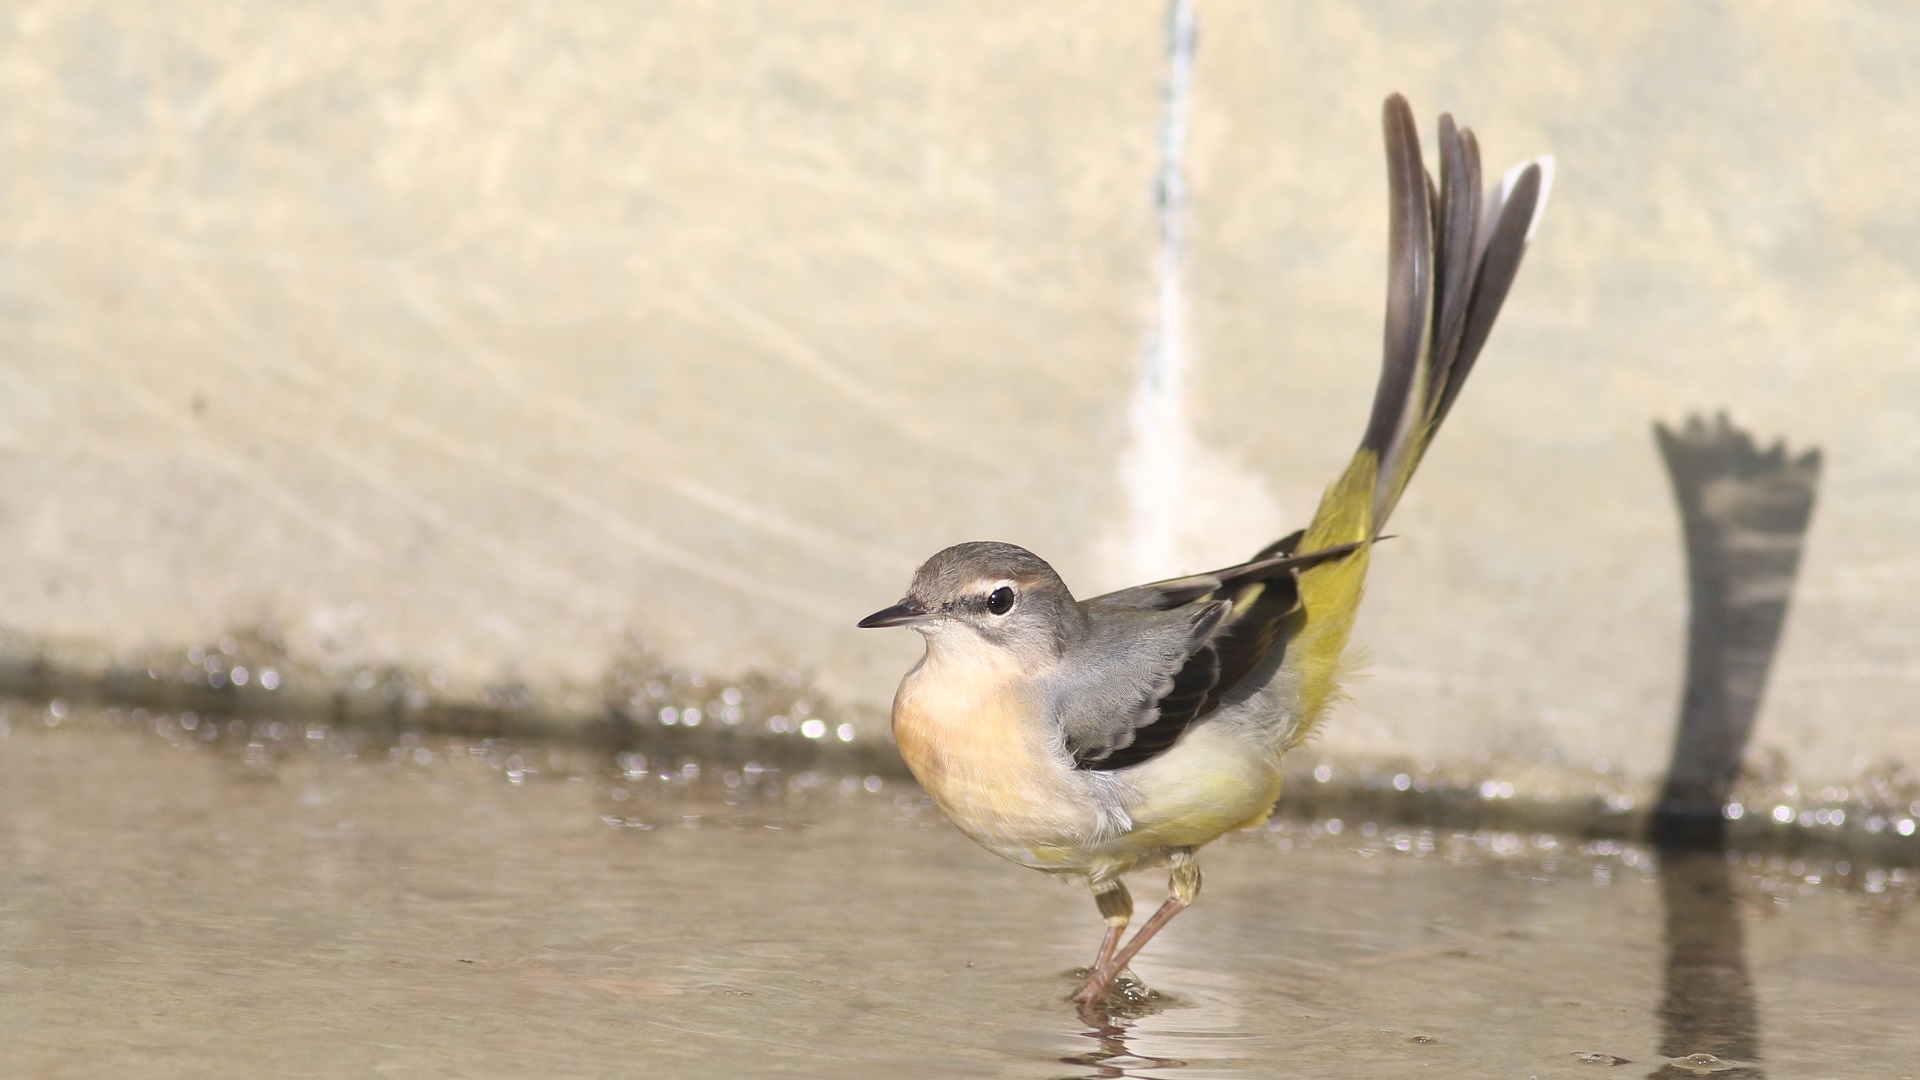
[(986, 595)]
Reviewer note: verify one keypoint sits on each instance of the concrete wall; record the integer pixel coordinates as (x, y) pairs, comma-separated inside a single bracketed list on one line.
[(483, 339)]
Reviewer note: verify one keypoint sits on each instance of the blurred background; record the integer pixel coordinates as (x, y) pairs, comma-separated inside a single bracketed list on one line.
[(475, 350)]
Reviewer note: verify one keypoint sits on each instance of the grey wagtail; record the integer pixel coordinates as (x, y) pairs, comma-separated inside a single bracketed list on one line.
[(1094, 737)]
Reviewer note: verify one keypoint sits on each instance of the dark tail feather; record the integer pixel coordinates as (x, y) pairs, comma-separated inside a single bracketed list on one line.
[(1451, 259)]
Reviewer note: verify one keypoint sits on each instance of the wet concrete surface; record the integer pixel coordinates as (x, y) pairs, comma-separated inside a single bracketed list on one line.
[(236, 899)]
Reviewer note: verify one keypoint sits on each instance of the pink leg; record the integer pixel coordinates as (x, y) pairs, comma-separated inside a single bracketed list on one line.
[(1183, 886), (1100, 979), (1116, 906)]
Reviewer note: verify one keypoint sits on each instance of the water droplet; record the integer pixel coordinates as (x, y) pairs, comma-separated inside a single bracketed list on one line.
[(1597, 1058)]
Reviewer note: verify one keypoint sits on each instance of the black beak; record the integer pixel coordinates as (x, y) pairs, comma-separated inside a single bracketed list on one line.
[(904, 613)]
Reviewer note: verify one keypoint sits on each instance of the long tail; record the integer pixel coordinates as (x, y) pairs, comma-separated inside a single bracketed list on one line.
[(1452, 256)]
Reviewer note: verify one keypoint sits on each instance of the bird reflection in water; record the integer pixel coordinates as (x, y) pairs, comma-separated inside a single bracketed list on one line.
[(1112, 1059)]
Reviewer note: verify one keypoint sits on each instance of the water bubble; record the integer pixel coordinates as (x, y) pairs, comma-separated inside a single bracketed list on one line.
[(269, 679), (239, 675), (1733, 811), (669, 716), (872, 784), (813, 729), (690, 717), (1596, 1058), (1783, 814), (844, 733), (1322, 773), (1401, 781)]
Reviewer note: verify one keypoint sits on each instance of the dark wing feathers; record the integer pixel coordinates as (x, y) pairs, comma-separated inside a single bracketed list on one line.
[(1187, 697), (1236, 616)]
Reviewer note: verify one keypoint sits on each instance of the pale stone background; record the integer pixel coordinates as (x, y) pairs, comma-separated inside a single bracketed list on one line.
[(482, 337)]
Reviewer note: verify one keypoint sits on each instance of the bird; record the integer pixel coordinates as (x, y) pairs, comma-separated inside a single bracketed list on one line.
[(1091, 738)]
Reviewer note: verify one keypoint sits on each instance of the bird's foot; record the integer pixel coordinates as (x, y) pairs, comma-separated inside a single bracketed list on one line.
[(1106, 992)]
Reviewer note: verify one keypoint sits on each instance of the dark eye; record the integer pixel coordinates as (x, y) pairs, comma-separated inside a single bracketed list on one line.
[(1000, 600)]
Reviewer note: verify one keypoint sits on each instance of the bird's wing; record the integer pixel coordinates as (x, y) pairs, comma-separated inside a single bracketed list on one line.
[(1135, 682), (1159, 657)]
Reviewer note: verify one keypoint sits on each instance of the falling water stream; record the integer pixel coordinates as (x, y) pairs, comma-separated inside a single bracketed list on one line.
[(1158, 451)]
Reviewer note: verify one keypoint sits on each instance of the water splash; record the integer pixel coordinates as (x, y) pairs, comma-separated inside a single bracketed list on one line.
[(1187, 506)]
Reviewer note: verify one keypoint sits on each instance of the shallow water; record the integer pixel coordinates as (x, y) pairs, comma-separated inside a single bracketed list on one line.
[(299, 902)]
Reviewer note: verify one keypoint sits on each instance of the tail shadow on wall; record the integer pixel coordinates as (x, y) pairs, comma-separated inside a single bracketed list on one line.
[(1744, 514)]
